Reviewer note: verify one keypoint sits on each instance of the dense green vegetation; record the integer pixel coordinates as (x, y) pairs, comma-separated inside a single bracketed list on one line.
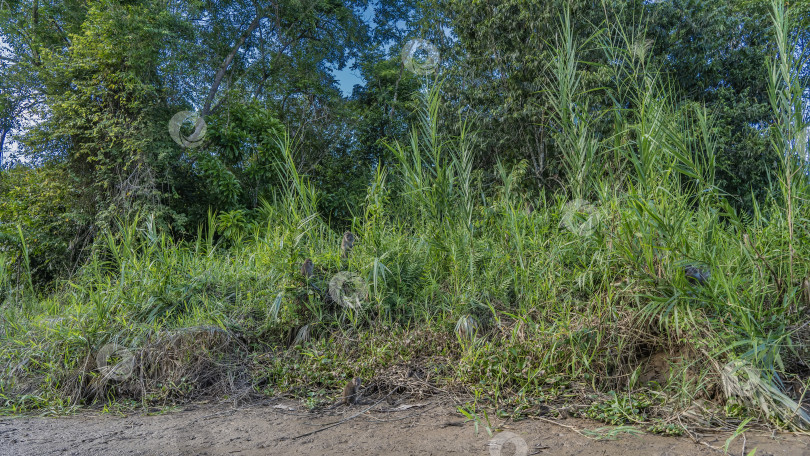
[(577, 192)]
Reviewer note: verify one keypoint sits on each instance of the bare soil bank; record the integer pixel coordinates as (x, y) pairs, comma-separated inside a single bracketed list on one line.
[(270, 428)]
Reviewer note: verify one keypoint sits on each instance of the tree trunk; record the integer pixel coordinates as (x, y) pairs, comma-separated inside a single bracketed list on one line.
[(2, 143)]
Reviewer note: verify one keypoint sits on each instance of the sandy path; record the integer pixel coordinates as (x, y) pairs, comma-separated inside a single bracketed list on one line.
[(267, 429)]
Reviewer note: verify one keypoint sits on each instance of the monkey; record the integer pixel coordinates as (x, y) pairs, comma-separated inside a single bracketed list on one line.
[(352, 391), (346, 245), (306, 269), (696, 275)]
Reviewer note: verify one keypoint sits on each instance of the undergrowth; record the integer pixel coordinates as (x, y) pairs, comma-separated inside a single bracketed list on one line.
[(639, 298)]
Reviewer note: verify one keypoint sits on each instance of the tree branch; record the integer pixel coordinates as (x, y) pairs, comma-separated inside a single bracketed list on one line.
[(260, 14), (227, 62), (64, 35)]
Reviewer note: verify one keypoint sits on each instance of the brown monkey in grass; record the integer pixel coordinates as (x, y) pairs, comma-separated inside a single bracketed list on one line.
[(346, 245), (308, 271), (307, 268)]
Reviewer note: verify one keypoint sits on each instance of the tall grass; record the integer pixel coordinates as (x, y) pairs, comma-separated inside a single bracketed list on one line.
[(789, 133), (508, 304)]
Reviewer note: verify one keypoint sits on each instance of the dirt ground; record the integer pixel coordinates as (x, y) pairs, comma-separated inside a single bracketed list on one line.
[(276, 427)]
